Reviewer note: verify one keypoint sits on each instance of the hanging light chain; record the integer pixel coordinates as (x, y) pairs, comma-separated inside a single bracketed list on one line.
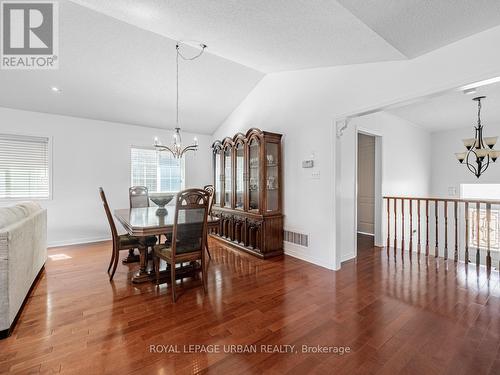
[(177, 151), (179, 54)]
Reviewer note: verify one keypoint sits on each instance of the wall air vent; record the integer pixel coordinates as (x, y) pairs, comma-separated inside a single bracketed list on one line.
[(296, 238)]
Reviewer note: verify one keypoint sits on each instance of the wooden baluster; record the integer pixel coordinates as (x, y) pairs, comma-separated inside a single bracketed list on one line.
[(455, 256), (466, 232), (388, 224), (488, 221), (436, 210), (418, 218), (478, 225), (445, 229), (402, 225), (395, 225), (411, 225), (427, 227)]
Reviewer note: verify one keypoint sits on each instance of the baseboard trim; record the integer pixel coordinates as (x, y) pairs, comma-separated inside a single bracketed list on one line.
[(78, 242), (295, 253), (347, 257), (7, 332)]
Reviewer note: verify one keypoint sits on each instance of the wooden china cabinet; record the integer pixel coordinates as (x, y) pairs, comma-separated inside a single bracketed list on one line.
[(248, 192)]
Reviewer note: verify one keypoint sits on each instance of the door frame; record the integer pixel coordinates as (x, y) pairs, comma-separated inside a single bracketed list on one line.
[(378, 200)]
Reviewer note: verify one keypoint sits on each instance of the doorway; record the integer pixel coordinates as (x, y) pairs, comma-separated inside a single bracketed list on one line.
[(365, 216)]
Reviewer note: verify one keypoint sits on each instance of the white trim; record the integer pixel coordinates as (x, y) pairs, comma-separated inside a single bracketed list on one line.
[(366, 234), (347, 257), (378, 215), (299, 254), (81, 241)]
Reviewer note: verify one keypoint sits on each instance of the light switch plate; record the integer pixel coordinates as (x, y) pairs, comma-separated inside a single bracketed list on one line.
[(315, 175)]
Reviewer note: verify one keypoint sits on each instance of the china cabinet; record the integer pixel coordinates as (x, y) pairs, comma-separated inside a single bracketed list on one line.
[(248, 192)]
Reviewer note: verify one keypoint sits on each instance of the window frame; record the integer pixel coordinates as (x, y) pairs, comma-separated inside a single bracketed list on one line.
[(182, 166), (50, 145), (472, 216)]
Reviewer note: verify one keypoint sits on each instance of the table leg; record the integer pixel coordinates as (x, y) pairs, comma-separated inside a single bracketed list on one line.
[(142, 275), (131, 257)]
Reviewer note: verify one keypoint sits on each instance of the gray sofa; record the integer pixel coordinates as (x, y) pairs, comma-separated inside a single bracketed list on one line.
[(23, 252)]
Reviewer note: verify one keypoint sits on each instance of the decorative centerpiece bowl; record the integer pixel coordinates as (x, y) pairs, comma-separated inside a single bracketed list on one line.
[(161, 200)]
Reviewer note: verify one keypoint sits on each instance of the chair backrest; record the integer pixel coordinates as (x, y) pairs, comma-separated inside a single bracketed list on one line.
[(190, 222), (138, 196), (211, 190), (111, 222)]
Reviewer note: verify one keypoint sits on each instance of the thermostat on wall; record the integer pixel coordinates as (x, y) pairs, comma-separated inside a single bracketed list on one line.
[(307, 163)]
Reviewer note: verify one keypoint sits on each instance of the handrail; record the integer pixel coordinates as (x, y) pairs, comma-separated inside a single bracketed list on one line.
[(403, 208), (434, 199)]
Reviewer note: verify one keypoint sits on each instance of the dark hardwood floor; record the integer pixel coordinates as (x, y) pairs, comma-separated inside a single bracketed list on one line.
[(365, 242), (397, 315)]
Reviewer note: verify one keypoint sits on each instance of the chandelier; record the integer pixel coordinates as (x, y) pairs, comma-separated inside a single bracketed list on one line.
[(176, 149), (480, 150)]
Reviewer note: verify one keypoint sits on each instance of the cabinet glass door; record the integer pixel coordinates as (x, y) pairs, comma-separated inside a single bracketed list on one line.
[(272, 176), (254, 175), (227, 177), (218, 177), (240, 185)]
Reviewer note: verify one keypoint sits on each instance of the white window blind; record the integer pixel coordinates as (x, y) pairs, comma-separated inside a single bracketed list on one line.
[(158, 171), (24, 167)]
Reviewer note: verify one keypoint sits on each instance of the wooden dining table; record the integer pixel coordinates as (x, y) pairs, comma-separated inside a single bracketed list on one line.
[(143, 222)]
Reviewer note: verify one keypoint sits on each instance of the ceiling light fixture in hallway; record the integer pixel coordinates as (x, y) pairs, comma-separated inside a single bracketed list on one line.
[(480, 150)]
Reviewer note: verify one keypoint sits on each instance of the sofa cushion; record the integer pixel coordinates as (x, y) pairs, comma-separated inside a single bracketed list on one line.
[(22, 210), (11, 215), (29, 207)]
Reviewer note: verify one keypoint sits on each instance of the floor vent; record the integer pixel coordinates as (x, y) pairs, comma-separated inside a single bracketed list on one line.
[(296, 238)]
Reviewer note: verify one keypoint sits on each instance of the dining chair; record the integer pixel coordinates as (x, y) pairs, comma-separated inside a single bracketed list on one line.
[(138, 196), (188, 235), (211, 190), (123, 241)]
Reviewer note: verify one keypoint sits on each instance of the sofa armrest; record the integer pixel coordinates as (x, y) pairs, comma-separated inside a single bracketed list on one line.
[(25, 244)]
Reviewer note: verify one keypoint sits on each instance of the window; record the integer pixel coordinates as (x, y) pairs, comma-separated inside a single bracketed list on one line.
[(486, 192), (24, 167), (160, 172)]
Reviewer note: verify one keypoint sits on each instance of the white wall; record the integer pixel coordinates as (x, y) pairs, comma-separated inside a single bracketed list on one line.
[(88, 154), (304, 104), (405, 167)]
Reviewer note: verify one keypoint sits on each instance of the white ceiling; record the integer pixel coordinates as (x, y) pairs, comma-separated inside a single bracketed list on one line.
[(268, 35), (276, 35), (454, 110), (416, 27), (110, 70)]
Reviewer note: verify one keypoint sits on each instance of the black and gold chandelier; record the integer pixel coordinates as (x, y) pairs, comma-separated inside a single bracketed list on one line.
[(480, 152)]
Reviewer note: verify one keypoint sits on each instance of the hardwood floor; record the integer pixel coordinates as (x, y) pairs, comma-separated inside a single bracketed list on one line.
[(418, 316), (365, 242)]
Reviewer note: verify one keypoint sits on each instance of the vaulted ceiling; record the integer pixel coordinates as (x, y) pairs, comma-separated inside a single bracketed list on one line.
[(454, 110), (117, 57)]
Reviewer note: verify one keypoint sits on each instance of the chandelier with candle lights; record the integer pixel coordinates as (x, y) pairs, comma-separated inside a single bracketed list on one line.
[(176, 149)]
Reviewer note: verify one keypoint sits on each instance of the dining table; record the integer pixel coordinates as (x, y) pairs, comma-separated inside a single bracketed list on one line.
[(144, 222)]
